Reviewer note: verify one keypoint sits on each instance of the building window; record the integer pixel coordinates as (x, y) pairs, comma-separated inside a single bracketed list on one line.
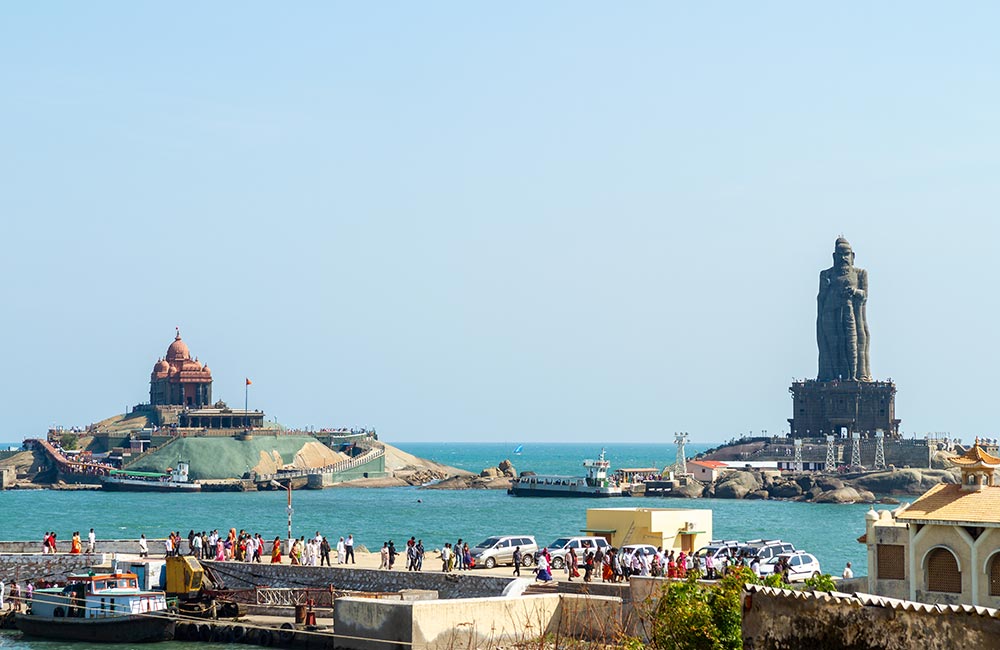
[(995, 575), (890, 562), (942, 572)]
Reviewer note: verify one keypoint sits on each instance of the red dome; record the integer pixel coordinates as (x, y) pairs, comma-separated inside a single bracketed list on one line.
[(178, 350), (161, 367)]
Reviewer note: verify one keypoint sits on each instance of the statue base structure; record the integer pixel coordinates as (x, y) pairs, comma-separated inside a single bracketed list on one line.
[(821, 408)]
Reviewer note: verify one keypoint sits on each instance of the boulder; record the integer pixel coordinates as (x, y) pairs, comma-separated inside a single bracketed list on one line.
[(905, 481), (692, 490), (828, 483), (789, 490), (758, 495), (805, 482), (841, 495), (736, 485), (491, 472), (507, 468), (889, 501), (865, 496)]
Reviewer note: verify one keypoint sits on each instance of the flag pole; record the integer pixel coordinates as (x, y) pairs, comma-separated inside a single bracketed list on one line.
[(246, 403)]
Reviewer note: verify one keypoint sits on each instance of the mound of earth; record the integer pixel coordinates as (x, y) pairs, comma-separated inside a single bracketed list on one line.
[(224, 457), (398, 461)]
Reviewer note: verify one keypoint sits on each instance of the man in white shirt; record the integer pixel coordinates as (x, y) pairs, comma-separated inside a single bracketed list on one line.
[(91, 541), (848, 573)]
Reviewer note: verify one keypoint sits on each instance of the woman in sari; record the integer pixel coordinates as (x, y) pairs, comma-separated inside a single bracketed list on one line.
[(276, 551), (75, 546)]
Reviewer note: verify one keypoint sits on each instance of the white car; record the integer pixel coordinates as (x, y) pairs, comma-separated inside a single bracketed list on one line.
[(644, 549), (801, 565), (559, 549)]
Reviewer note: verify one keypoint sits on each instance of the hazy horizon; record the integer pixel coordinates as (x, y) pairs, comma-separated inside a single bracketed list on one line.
[(450, 222)]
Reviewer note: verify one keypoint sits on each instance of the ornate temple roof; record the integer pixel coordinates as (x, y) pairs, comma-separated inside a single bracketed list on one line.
[(179, 364), (976, 457), (948, 503)]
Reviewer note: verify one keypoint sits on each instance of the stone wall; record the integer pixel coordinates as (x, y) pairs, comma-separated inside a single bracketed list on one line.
[(472, 623), (36, 566), (156, 546), (776, 619), (238, 575)]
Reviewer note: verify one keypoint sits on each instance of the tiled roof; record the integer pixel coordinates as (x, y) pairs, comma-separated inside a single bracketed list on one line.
[(712, 464), (948, 502), (976, 456)]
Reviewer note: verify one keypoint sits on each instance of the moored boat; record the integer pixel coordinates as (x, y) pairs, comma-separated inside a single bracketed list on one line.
[(177, 480), (99, 607), (595, 484)]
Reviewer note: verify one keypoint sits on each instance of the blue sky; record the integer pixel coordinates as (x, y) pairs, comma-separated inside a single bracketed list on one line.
[(460, 221)]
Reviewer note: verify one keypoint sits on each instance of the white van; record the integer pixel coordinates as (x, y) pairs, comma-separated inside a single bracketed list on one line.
[(559, 549), (500, 550)]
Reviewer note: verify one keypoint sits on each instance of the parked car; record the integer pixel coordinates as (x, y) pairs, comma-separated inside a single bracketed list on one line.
[(801, 565), (769, 548), (500, 550), (559, 549), (716, 553), (643, 549)]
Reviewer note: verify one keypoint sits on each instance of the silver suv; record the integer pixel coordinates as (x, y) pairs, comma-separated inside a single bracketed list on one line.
[(500, 550), (559, 549)]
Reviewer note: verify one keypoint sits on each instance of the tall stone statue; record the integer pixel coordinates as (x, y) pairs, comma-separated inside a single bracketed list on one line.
[(841, 325)]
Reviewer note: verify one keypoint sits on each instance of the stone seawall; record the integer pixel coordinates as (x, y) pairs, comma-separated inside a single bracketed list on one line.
[(156, 546), (37, 566), (776, 619), (238, 575)]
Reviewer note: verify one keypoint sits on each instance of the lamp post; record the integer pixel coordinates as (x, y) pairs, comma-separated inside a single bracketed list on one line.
[(288, 542)]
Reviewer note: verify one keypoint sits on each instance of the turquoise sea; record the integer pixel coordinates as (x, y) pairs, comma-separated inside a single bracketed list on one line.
[(436, 516)]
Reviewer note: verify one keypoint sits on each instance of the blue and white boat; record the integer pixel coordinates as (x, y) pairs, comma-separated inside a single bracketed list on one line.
[(595, 484)]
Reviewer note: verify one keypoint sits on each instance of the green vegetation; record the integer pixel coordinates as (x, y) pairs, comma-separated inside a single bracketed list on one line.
[(69, 441), (691, 615)]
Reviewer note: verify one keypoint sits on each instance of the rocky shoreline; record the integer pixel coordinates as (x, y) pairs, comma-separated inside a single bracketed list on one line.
[(869, 487)]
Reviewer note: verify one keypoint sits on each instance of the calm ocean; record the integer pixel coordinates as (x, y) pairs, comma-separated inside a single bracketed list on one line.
[(436, 516)]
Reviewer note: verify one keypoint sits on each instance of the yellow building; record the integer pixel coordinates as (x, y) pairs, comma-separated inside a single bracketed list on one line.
[(680, 529), (945, 546)]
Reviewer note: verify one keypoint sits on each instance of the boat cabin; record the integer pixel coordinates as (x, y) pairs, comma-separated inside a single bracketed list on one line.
[(97, 595)]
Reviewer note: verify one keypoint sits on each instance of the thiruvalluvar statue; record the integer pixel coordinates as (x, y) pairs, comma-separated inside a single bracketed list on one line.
[(841, 325)]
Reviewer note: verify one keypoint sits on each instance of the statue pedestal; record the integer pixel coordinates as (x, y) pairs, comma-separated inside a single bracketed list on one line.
[(822, 408)]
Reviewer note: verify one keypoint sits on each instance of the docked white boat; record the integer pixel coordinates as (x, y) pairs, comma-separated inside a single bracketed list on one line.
[(99, 607), (595, 484), (177, 480)]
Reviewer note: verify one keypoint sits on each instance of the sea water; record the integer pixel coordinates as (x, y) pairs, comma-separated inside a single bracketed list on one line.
[(377, 515)]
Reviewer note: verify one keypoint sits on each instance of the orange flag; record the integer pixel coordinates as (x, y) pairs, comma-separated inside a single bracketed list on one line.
[(248, 381)]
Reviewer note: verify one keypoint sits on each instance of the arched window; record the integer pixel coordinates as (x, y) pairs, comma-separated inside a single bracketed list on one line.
[(942, 572), (995, 575)]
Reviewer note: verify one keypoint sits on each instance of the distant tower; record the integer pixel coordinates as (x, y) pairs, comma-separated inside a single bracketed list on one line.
[(880, 449), (680, 466), (855, 449), (831, 455), (798, 454)]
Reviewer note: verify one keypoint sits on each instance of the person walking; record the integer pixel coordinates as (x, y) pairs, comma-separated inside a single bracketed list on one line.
[(392, 554), (91, 541), (324, 552), (385, 556), (341, 551), (349, 549), (517, 561), (143, 548)]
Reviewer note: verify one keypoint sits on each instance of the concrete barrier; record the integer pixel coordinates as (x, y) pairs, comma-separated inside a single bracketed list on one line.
[(365, 624), (240, 575)]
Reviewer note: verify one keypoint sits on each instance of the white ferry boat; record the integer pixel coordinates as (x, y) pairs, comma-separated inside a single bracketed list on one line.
[(175, 481), (595, 484), (99, 607)]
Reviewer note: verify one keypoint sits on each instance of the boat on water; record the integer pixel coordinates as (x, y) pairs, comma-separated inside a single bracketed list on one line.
[(101, 608), (177, 480), (595, 484)]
